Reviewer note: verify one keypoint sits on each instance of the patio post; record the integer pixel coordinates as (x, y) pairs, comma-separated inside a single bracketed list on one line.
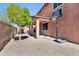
[(37, 28)]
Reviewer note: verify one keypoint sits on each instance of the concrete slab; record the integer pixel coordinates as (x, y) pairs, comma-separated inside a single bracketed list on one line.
[(39, 47)]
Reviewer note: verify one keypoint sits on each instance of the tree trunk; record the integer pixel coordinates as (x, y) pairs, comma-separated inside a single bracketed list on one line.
[(20, 33)]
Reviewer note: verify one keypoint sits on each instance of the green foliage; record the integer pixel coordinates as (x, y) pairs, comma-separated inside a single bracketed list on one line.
[(19, 15)]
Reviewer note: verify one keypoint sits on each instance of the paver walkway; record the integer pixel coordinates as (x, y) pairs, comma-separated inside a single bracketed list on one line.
[(44, 46)]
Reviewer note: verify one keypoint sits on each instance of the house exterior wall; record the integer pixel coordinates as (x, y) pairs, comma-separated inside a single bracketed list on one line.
[(46, 10), (68, 24), (44, 32), (51, 29)]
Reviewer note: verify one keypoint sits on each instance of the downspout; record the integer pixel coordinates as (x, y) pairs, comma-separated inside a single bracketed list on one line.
[(56, 27), (57, 33), (58, 37), (55, 19)]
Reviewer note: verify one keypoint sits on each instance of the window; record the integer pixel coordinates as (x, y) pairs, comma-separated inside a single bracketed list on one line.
[(45, 26), (59, 12), (59, 4), (55, 5)]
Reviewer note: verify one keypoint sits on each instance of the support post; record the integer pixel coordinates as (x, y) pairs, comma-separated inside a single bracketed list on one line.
[(37, 28)]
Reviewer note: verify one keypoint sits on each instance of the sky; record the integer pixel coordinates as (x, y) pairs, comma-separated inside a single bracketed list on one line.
[(33, 7)]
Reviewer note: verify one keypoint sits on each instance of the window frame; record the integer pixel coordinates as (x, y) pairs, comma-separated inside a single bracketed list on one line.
[(57, 13), (45, 26)]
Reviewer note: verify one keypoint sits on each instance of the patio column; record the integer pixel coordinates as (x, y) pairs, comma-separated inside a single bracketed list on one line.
[(37, 28), (32, 28)]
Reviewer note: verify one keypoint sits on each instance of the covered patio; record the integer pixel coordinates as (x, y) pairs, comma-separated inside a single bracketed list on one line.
[(37, 24)]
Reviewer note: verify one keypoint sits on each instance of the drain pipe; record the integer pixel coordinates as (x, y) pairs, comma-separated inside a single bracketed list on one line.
[(57, 34), (54, 19), (58, 37)]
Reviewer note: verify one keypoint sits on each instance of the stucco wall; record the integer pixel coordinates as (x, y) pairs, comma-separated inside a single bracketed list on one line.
[(46, 10), (68, 24), (44, 32), (51, 29), (5, 34)]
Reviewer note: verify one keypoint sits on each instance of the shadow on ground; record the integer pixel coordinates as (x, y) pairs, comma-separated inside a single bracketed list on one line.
[(22, 38), (31, 34)]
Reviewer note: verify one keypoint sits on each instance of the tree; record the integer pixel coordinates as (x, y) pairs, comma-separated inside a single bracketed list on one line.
[(19, 15), (25, 15)]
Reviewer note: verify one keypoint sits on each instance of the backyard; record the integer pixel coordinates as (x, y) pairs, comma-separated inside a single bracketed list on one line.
[(14, 42), (44, 46)]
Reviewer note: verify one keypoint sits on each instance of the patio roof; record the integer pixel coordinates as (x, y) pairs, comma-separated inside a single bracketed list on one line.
[(37, 16)]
